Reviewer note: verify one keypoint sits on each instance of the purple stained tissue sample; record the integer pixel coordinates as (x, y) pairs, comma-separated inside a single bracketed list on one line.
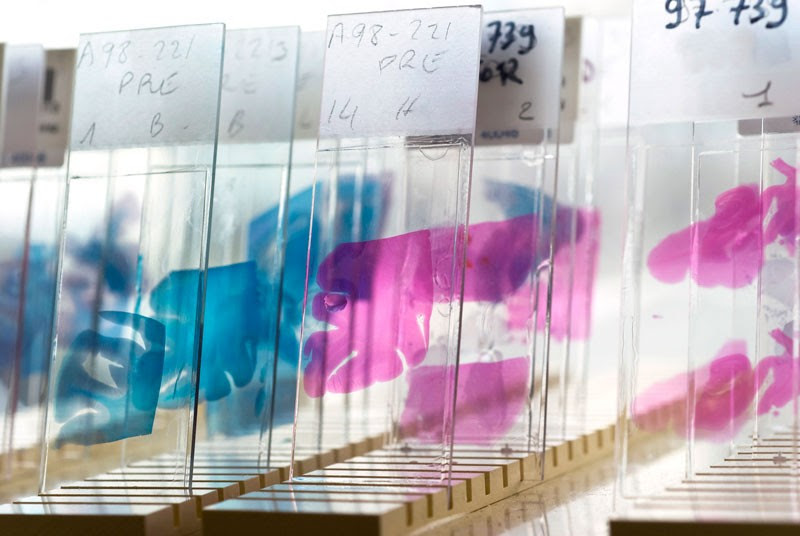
[(490, 398), (377, 299), (782, 370), (727, 250), (728, 246), (377, 296), (570, 315), (724, 391)]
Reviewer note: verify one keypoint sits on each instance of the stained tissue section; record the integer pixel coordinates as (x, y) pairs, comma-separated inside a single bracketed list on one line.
[(729, 250), (230, 335), (779, 373), (370, 194), (724, 392), (728, 246), (376, 297), (574, 273), (490, 398), (238, 343), (36, 330), (107, 385)]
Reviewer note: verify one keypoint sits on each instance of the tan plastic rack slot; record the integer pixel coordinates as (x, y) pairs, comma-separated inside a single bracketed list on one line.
[(358, 494), (731, 499), (142, 499)]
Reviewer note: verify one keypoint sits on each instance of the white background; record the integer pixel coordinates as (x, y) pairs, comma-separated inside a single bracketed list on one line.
[(713, 66), (57, 23)]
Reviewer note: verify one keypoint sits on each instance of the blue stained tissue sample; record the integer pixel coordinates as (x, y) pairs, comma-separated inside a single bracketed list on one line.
[(38, 313), (107, 385), (230, 333), (175, 301), (153, 366), (518, 199), (242, 410), (261, 245)]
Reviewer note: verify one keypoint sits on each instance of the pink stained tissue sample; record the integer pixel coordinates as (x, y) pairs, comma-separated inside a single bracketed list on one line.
[(570, 316), (728, 246), (728, 250), (725, 391), (377, 296), (781, 372), (490, 398)]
